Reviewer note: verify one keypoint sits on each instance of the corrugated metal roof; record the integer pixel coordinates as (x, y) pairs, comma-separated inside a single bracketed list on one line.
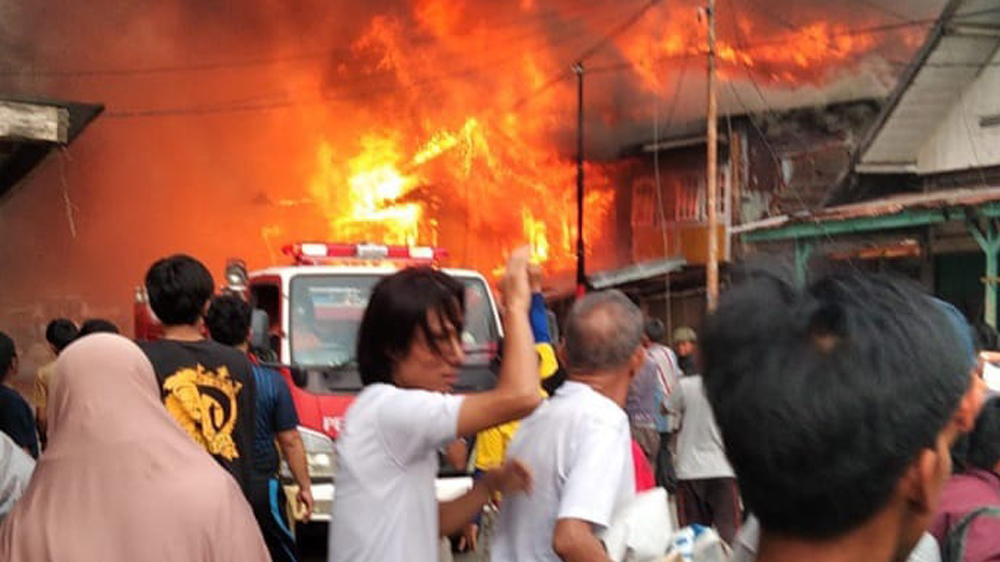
[(881, 207), (963, 42)]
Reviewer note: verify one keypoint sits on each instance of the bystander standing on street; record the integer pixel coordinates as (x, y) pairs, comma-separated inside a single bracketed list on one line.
[(228, 322), (838, 403), (59, 333), (974, 486), (409, 351), (707, 493), (206, 386), (16, 418), (577, 443), (120, 481)]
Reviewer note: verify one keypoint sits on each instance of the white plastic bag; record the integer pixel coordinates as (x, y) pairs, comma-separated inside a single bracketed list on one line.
[(642, 530)]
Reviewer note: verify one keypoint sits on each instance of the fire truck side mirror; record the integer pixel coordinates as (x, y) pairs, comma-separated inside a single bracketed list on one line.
[(299, 376)]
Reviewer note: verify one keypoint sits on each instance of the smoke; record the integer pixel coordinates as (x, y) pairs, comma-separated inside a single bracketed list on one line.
[(215, 112)]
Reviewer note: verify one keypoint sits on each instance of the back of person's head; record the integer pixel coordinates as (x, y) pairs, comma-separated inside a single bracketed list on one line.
[(8, 354), (60, 333), (826, 395), (603, 331), (228, 320), (655, 330), (179, 286), (399, 306), (97, 326), (984, 441)]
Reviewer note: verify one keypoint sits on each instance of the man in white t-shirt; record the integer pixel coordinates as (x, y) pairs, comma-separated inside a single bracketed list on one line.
[(706, 492), (577, 444), (409, 353)]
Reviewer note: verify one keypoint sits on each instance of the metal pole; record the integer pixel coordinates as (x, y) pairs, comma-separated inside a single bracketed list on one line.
[(712, 269), (581, 270)]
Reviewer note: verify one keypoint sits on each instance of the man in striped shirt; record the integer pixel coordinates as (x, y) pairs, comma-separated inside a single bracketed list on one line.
[(652, 404)]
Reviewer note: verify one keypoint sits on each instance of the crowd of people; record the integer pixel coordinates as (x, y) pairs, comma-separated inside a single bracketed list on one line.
[(842, 420)]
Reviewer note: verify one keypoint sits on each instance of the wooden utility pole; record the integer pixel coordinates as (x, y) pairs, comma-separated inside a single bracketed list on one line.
[(712, 268), (581, 269)]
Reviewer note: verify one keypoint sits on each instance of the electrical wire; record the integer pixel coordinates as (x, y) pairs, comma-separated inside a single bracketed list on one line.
[(579, 16), (561, 75)]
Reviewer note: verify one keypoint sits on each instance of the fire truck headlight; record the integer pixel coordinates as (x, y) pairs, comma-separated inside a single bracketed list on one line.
[(321, 456)]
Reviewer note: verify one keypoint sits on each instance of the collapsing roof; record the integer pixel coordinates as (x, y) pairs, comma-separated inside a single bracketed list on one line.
[(964, 41), (31, 128)]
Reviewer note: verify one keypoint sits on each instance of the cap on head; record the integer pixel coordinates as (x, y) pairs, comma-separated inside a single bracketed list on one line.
[(685, 334)]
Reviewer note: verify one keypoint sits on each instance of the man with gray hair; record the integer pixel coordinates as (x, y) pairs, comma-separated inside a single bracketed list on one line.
[(577, 443)]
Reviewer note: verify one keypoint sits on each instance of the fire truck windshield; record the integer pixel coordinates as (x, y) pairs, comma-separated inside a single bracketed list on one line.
[(326, 312)]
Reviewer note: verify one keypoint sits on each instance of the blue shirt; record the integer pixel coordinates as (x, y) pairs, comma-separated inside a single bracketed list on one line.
[(275, 414), (17, 420), (539, 319)]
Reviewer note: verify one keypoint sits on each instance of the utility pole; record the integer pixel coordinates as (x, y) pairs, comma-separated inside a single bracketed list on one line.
[(712, 268), (581, 270)]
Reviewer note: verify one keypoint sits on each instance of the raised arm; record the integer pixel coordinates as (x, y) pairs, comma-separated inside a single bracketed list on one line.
[(516, 393)]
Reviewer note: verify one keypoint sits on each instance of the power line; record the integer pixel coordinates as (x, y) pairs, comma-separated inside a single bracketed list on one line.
[(883, 9), (785, 22), (268, 106), (227, 107), (582, 16), (767, 107)]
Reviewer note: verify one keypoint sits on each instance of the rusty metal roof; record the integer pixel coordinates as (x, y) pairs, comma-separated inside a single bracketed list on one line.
[(894, 205)]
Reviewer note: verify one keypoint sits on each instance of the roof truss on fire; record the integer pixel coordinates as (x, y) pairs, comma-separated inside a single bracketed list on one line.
[(963, 42), (31, 128)]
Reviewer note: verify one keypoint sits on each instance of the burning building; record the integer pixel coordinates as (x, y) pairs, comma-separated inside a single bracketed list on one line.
[(235, 127)]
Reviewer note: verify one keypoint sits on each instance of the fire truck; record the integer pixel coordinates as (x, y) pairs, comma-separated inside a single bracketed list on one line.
[(306, 319)]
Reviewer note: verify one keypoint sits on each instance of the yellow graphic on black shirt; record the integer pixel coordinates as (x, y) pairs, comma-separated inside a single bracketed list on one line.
[(204, 403)]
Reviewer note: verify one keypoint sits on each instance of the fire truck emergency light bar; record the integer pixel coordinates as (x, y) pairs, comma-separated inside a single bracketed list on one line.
[(313, 253)]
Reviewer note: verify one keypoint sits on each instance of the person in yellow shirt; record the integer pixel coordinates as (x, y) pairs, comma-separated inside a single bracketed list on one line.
[(491, 444), (59, 333)]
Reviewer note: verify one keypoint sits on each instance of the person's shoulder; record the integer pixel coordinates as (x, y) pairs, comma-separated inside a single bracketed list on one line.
[(11, 395), (227, 355), (46, 370), (593, 407), (691, 382)]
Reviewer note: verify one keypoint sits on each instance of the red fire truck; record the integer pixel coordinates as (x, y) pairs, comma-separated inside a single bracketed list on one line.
[(306, 320)]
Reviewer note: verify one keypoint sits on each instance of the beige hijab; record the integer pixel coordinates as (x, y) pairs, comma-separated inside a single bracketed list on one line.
[(120, 481)]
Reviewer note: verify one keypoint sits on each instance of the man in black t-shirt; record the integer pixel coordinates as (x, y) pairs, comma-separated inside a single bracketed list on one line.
[(208, 388), (16, 417)]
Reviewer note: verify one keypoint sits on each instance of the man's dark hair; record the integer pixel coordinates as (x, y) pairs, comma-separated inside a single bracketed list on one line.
[(398, 307), (97, 326), (825, 395), (984, 441), (655, 330), (228, 320), (178, 288), (7, 354), (60, 333), (986, 336)]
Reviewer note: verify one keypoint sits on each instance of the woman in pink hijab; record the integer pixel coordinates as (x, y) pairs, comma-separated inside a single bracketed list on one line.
[(120, 480)]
